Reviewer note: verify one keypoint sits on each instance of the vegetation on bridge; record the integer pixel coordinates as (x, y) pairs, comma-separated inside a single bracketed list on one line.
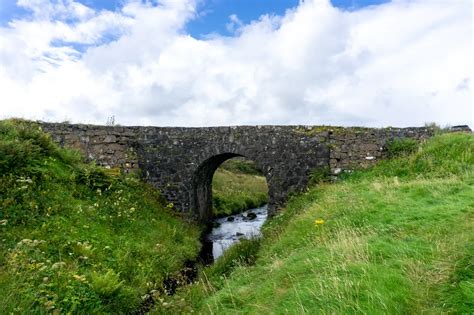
[(394, 239), (75, 239)]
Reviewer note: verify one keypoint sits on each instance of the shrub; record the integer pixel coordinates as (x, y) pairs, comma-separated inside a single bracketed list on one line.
[(401, 147), (106, 285), (94, 178), (319, 175)]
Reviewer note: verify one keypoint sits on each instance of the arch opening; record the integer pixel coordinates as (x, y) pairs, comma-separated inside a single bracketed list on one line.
[(238, 185), (205, 206), (230, 197)]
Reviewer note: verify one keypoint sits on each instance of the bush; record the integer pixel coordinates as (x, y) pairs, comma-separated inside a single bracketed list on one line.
[(94, 178), (401, 147), (26, 149)]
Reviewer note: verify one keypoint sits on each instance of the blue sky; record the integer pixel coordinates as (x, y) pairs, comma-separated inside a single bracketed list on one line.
[(213, 14)]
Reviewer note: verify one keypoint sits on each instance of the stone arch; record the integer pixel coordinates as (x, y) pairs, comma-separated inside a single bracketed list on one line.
[(201, 193)]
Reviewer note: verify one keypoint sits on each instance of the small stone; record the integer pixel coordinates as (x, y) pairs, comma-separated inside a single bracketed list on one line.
[(230, 219), (251, 216)]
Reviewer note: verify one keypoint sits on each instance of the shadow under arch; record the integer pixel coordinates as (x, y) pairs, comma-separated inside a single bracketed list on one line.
[(202, 184)]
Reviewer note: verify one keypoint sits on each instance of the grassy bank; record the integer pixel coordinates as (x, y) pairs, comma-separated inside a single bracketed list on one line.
[(395, 239), (74, 239), (237, 185)]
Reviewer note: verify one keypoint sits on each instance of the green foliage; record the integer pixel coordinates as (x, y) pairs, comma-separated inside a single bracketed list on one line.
[(395, 239), (459, 294), (319, 175), (75, 239), (401, 147), (106, 284), (25, 149), (444, 155), (242, 166), (94, 178), (244, 253)]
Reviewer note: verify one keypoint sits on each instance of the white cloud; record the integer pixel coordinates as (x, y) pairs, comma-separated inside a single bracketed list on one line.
[(401, 63)]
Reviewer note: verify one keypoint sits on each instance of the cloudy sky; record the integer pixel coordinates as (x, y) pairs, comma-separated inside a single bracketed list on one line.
[(231, 62)]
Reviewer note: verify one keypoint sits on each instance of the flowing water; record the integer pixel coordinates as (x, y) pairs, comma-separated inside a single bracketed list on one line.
[(229, 230)]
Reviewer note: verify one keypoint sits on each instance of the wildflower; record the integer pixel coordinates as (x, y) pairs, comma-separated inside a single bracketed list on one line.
[(3, 222), (58, 265), (318, 222), (25, 241), (24, 180)]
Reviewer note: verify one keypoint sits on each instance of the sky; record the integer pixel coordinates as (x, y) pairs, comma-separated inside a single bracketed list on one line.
[(370, 63)]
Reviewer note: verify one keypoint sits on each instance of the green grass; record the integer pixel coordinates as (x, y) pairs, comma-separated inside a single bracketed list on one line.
[(237, 186), (396, 239), (74, 239)]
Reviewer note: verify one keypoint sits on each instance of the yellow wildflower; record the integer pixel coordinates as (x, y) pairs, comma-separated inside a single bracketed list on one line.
[(318, 222)]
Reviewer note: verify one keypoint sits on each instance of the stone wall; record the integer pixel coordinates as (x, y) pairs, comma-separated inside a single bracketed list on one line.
[(352, 148), (107, 146), (181, 161)]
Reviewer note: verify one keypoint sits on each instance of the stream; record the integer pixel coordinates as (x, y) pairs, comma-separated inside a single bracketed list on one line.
[(228, 230)]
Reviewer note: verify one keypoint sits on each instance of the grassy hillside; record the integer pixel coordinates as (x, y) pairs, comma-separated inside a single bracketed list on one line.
[(237, 185), (74, 239), (395, 239)]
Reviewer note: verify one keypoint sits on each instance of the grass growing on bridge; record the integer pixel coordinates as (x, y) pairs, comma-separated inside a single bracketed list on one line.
[(395, 239), (237, 186), (74, 239)]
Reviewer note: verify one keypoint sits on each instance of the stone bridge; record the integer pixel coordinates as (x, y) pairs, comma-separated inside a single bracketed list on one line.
[(181, 161)]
